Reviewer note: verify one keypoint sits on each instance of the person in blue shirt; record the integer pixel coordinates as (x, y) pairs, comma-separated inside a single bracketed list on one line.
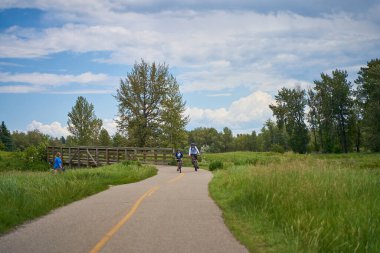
[(178, 155), (58, 163), (193, 153)]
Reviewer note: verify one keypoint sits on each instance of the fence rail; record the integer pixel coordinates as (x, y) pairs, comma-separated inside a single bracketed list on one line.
[(98, 156)]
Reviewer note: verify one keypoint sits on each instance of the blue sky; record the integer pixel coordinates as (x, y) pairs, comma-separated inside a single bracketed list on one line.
[(229, 57)]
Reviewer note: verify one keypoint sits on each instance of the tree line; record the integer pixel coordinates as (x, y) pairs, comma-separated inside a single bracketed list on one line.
[(334, 115), (341, 116)]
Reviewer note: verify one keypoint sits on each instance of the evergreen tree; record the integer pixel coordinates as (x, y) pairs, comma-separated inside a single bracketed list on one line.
[(6, 138)]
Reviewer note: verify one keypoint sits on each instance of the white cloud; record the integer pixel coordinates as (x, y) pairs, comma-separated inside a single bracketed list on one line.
[(51, 79), (241, 114), (20, 89), (48, 83), (110, 125), (54, 129), (212, 50)]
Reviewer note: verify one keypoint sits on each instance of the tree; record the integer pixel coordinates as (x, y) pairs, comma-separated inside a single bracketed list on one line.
[(314, 120), (35, 138), (332, 100), (149, 99), (368, 82), (271, 137), (227, 139), (62, 140), (289, 110), (342, 106), (5, 137), (173, 118), (206, 138), (20, 140), (83, 123), (119, 141), (104, 138), (242, 142)]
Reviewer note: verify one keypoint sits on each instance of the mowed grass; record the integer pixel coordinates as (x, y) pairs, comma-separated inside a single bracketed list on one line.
[(301, 203), (27, 195)]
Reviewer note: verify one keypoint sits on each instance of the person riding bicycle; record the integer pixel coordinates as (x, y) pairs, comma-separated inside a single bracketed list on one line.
[(193, 153), (178, 155)]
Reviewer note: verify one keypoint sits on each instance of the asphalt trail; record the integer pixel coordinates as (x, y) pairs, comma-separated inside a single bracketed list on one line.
[(170, 212)]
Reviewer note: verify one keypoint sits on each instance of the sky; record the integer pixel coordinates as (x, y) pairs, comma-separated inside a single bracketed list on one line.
[(229, 57)]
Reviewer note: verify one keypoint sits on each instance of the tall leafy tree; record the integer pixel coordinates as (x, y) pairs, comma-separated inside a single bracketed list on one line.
[(147, 99), (83, 123), (173, 118), (334, 104), (369, 99), (314, 120), (342, 106), (289, 110), (323, 103), (206, 138), (227, 138), (6, 137)]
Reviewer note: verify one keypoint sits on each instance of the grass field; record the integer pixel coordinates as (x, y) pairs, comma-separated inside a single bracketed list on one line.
[(300, 203), (26, 195)]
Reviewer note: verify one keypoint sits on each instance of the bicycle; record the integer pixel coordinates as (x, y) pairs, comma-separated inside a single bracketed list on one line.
[(194, 161), (179, 165)]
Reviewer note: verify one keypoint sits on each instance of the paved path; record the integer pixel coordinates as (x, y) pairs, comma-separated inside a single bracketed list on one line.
[(170, 212)]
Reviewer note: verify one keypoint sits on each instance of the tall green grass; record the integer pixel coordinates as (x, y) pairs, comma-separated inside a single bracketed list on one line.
[(19, 161), (27, 195), (303, 203)]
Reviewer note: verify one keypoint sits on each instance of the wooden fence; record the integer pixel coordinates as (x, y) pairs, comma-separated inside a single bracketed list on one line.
[(98, 156)]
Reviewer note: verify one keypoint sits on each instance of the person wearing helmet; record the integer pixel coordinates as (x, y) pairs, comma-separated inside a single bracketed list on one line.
[(193, 153), (178, 155)]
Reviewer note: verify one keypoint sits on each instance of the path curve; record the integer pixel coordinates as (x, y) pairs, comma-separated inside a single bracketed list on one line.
[(170, 212)]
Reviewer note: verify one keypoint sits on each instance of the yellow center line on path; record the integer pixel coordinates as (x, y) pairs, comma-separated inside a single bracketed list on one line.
[(117, 227)]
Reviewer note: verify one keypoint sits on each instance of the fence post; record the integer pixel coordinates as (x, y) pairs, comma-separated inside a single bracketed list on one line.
[(107, 158), (78, 154)]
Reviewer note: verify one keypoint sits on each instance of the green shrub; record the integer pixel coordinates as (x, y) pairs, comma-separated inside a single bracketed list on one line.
[(215, 165), (277, 149), (131, 163)]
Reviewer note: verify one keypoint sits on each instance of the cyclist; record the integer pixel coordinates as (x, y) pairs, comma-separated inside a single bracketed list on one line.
[(178, 155), (193, 153)]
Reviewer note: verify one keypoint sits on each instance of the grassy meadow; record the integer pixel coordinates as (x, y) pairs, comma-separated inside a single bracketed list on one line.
[(300, 203), (25, 195)]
